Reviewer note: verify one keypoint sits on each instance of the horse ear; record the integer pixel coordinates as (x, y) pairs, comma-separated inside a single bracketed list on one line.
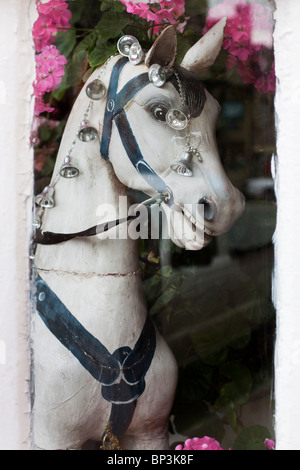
[(164, 49), (203, 54)]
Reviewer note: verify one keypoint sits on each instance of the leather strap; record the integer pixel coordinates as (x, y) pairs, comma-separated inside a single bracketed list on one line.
[(52, 238), (120, 374)]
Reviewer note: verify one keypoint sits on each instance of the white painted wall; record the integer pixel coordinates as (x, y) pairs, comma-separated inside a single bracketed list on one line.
[(287, 246), (16, 76)]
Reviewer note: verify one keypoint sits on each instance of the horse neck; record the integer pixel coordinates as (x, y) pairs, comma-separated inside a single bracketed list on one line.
[(94, 197)]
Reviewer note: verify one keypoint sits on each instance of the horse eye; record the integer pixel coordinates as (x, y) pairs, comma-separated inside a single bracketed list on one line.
[(159, 112)]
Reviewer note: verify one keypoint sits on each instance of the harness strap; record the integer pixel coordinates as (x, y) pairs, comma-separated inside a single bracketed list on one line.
[(121, 374), (52, 238), (133, 151), (115, 112)]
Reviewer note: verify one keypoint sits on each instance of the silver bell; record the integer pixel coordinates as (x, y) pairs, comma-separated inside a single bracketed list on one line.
[(184, 165), (87, 133), (38, 216), (68, 170), (95, 90), (157, 75), (124, 44), (45, 198), (136, 54)]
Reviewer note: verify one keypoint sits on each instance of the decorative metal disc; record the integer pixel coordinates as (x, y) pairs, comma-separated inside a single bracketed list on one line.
[(176, 119), (96, 90), (124, 44), (157, 75), (136, 54)]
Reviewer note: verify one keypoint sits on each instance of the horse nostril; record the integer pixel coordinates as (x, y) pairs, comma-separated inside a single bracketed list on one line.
[(209, 208)]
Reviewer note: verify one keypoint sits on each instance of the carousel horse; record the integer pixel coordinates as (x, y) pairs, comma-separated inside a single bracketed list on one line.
[(141, 122)]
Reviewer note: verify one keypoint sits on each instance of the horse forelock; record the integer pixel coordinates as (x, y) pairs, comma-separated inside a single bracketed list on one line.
[(192, 88)]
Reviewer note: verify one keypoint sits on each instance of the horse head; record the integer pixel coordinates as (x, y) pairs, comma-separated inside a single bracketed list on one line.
[(159, 135)]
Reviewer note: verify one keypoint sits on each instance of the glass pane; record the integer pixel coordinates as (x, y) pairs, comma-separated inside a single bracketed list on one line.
[(213, 306)]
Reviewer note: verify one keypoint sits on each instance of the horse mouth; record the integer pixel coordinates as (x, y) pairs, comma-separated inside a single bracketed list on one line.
[(188, 231), (198, 226)]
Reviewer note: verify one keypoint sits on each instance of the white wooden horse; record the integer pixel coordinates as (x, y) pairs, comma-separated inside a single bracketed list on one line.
[(97, 356)]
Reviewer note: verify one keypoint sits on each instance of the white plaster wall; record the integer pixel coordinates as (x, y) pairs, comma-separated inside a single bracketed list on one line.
[(16, 76), (287, 246)]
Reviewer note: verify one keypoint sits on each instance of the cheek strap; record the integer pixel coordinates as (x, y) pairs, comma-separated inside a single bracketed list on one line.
[(115, 112)]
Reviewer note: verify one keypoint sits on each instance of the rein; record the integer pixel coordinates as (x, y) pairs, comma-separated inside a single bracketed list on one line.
[(114, 112)]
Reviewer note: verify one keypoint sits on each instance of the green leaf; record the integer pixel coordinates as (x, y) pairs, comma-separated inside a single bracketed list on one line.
[(76, 67), (194, 7), (252, 438), (101, 53), (225, 405), (87, 44), (66, 41), (59, 93), (163, 301), (196, 420), (238, 388), (112, 24), (183, 45), (106, 4)]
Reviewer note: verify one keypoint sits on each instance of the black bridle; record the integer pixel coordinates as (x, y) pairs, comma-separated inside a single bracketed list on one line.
[(115, 112)]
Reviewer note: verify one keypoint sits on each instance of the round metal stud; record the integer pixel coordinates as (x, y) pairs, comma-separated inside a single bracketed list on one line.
[(157, 75), (176, 119), (124, 44), (136, 54), (96, 90)]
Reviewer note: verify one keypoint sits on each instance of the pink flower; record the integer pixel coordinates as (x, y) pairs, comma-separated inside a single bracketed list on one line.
[(196, 443), (163, 11), (41, 107), (50, 64), (53, 15), (49, 70), (248, 30), (57, 10), (43, 33), (269, 444), (241, 50)]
